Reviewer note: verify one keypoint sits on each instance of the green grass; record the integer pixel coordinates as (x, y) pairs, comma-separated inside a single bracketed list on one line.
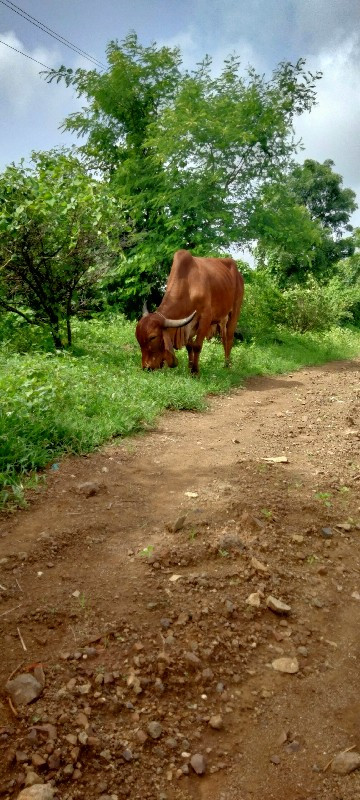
[(51, 404)]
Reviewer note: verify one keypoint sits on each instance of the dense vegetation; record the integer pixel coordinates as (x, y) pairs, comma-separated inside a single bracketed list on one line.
[(167, 159)]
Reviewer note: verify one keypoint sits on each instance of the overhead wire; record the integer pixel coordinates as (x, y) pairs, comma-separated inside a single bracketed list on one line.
[(24, 54), (46, 29)]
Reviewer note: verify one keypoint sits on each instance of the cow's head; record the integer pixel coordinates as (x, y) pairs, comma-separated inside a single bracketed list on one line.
[(155, 341)]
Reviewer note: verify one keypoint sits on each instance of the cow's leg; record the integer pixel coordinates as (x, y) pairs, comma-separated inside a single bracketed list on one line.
[(204, 326), (224, 338), (194, 366), (190, 351), (230, 330)]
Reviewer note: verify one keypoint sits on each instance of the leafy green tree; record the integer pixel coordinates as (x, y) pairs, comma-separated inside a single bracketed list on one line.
[(320, 189), (287, 238), (188, 153), (347, 275), (302, 223), (58, 230)]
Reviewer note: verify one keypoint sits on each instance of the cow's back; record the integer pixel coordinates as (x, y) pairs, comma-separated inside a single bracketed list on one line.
[(199, 280)]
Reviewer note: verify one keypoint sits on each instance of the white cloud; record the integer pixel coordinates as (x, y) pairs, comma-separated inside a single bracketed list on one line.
[(332, 129), (32, 110), (193, 50), (20, 83)]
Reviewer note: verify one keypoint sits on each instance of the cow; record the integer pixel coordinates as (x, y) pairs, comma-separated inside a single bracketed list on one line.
[(203, 297)]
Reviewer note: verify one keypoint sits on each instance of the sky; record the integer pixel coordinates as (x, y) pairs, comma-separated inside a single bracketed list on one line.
[(264, 32)]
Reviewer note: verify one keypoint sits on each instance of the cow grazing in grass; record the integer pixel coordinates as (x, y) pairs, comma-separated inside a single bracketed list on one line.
[(203, 297)]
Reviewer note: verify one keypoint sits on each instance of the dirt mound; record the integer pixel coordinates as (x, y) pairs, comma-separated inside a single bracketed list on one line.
[(140, 579)]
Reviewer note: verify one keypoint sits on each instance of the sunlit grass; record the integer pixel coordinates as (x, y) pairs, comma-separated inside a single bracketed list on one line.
[(51, 404)]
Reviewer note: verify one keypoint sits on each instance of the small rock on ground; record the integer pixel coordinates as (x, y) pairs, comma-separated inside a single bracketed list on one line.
[(289, 665), (345, 762), (216, 722), (89, 488), (37, 792), (179, 523), (32, 778), (154, 730), (197, 762), (254, 600), (277, 605), (24, 689)]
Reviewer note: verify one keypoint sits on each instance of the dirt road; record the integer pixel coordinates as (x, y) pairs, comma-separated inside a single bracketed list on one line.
[(140, 579)]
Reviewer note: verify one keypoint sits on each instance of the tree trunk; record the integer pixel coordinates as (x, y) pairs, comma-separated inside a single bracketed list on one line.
[(68, 328), (68, 323), (55, 333), (57, 340)]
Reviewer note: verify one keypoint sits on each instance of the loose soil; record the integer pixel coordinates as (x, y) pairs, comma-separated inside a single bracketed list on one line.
[(139, 616)]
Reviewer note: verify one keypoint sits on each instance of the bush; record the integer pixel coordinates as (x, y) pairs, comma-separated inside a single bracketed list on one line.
[(310, 307), (262, 307), (316, 307)]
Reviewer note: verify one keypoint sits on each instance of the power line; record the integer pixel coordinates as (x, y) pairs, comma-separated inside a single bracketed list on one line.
[(38, 24), (57, 36), (24, 54)]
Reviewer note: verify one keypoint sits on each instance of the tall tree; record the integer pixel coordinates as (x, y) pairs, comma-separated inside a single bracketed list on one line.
[(59, 228), (187, 152), (320, 189), (303, 224)]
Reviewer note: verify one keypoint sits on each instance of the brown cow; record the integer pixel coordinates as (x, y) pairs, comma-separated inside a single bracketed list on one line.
[(203, 296)]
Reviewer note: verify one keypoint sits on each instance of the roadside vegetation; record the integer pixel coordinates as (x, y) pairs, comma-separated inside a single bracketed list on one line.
[(87, 235), (72, 402)]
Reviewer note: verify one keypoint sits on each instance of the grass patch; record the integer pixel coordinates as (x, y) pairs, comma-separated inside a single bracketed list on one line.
[(51, 404)]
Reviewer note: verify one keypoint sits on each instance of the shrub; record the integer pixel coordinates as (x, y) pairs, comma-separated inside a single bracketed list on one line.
[(316, 307), (311, 307), (262, 307)]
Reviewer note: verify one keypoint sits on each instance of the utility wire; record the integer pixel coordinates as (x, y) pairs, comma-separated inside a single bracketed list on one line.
[(24, 54), (59, 38)]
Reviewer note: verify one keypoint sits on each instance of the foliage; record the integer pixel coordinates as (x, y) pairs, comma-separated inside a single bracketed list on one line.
[(320, 189), (347, 275), (187, 153), (309, 306), (316, 307), (50, 403), (302, 223), (56, 223), (287, 238), (262, 308)]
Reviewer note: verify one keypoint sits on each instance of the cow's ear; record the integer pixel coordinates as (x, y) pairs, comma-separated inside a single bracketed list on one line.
[(167, 341)]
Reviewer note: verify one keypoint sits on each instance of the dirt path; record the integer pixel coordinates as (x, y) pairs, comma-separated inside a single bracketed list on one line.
[(136, 622)]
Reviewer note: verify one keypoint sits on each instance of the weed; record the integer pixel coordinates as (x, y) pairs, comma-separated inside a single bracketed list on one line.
[(324, 497), (266, 513), (147, 551), (312, 559), (192, 534), (223, 553), (82, 601)]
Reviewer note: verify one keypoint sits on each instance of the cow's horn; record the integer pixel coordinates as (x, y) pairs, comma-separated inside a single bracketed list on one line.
[(145, 310), (178, 323)]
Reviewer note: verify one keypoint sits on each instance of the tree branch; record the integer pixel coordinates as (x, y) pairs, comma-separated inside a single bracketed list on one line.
[(8, 307)]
